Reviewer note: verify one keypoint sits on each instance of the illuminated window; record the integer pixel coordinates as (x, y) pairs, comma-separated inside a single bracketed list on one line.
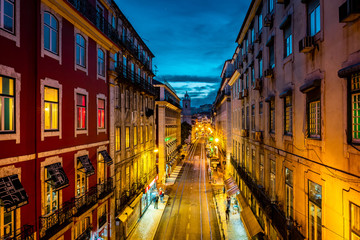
[(355, 106), (135, 136), (354, 222), (287, 40), (51, 102), (247, 118), (147, 133), (7, 15), (253, 117), (51, 33), (314, 119), (315, 211), (101, 168), (261, 172), (272, 179), (51, 194), (101, 113), (270, 5), (80, 50), (260, 67), (117, 139), (7, 104), (81, 226), (127, 137), (272, 115), (314, 17), (101, 63), (81, 111), (81, 180), (289, 193), (141, 135), (7, 223), (288, 114)]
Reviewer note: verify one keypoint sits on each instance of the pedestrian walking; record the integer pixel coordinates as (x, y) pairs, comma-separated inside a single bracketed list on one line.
[(161, 194), (156, 202), (227, 213), (228, 202), (224, 190)]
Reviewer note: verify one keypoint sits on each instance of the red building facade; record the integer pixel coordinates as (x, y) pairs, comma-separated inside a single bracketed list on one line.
[(56, 167)]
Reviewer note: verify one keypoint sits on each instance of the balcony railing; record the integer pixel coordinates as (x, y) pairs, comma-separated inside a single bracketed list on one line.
[(125, 74), (102, 219), (26, 232), (105, 188), (86, 235), (90, 12), (279, 220), (51, 223)]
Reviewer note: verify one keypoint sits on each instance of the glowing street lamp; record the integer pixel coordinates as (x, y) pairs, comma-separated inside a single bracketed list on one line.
[(216, 140)]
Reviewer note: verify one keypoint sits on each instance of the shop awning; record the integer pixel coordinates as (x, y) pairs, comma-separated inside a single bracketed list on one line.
[(231, 186), (12, 193), (137, 199), (87, 165), (125, 214), (251, 225), (58, 176), (107, 159), (242, 201)]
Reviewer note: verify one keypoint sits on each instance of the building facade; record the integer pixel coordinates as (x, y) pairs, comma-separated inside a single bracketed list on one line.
[(295, 120), (168, 127), (58, 79)]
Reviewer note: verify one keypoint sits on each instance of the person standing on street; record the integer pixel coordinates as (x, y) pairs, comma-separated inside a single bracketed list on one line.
[(227, 213), (161, 194), (156, 202)]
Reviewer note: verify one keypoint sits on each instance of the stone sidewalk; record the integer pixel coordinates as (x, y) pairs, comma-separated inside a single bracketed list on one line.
[(148, 223)]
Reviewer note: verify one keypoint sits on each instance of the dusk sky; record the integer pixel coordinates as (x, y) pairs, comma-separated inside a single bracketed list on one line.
[(191, 39)]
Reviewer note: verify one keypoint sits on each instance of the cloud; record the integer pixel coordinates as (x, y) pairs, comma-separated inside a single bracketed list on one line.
[(189, 78)]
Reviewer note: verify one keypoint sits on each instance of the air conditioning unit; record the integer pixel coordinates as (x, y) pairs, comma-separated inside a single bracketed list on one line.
[(133, 116), (258, 136), (268, 20), (349, 11), (258, 37), (306, 44), (251, 48), (258, 84), (240, 95), (244, 133), (244, 93), (269, 73)]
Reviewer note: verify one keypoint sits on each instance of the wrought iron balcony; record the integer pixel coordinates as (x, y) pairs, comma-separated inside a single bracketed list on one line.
[(102, 219), (86, 235), (26, 232), (105, 188), (86, 201), (125, 74), (90, 12)]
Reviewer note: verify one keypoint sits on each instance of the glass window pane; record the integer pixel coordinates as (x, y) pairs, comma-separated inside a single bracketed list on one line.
[(54, 118), (51, 94), (47, 18), (47, 115), (54, 39), (46, 38), (53, 22)]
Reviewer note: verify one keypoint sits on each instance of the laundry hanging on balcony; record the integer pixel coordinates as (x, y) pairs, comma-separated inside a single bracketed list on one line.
[(12, 193), (58, 176), (87, 165)]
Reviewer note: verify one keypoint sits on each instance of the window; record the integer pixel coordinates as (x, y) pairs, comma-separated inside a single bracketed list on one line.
[(260, 21), (7, 104), (314, 119), (288, 114), (51, 102), (252, 35), (252, 76), (314, 17), (252, 166), (99, 16), (117, 139), (270, 5), (7, 223), (127, 137), (116, 60), (253, 117), (80, 50), (260, 108), (247, 163), (101, 113), (147, 133), (287, 40), (354, 222), (81, 180), (315, 215), (51, 194), (355, 106), (124, 66), (260, 67), (51, 33), (7, 15), (135, 136), (247, 118), (289, 193), (271, 56), (82, 226), (261, 172), (81, 111), (242, 118), (272, 115), (272, 179), (141, 135), (101, 63), (243, 155)]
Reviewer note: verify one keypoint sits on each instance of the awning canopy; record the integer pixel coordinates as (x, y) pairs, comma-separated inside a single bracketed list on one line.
[(251, 225), (87, 165), (58, 176), (12, 193), (137, 199), (125, 214), (231, 186), (107, 159)]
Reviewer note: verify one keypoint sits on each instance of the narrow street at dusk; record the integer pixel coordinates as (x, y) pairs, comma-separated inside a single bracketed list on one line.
[(190, 212)]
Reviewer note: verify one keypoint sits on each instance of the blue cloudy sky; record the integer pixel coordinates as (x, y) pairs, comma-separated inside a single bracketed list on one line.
[(190, 39)]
